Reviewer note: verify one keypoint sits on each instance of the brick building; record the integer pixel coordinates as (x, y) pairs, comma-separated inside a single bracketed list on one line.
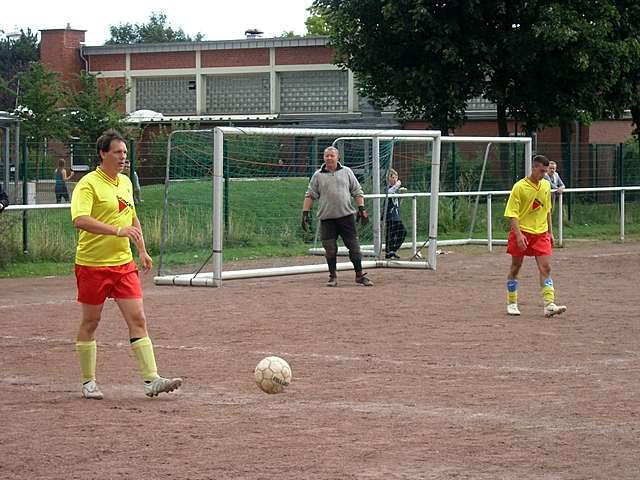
[(257, 81)]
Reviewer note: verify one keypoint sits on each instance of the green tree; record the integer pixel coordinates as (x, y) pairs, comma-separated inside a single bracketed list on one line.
[(40, 100), (503, 50), (542, 62), (417, 55), (574, 60), (547, 63), (626, 93), (316, 23), (40, 109), (156, 30), (15, 56), (91, 110)]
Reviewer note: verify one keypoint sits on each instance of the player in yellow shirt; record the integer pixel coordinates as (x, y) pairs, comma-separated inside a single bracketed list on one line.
[(102, 209), (531, 234)]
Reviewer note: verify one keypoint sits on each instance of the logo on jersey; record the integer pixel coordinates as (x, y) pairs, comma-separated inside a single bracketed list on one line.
[(122, 204), (536, 205)]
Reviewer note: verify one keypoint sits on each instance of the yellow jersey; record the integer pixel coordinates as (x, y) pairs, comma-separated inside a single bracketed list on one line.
[(530, 204), (108, 201)]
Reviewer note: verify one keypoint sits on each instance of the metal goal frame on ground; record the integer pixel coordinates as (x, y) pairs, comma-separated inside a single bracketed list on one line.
[(217, 274)]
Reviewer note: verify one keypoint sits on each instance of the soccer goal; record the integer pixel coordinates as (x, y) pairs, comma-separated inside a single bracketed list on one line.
[(233, 200), (473, 172)]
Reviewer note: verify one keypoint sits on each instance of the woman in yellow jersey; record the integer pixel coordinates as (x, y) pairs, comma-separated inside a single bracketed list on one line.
[(531, 235), (102, 209)]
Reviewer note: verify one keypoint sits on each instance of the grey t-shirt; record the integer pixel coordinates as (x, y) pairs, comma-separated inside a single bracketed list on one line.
[(554, 180), (333, 191)]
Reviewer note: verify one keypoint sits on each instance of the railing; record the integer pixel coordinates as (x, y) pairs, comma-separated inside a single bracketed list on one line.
[(24, 209), (489, 220), (595, 189), (489, 241)]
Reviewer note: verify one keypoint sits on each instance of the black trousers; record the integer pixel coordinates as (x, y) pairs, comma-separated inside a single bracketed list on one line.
[(345, 228), (61, 194), (395, 236)]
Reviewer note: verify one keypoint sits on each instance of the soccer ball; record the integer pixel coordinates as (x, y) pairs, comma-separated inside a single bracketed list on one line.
[(272, 374)]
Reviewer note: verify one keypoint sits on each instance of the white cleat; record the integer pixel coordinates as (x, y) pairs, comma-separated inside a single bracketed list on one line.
[(161, 385), (552, 309), (91, 391), (512, 309)]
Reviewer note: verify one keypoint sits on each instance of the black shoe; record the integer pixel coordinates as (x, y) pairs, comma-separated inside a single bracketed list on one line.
[(364, 280)]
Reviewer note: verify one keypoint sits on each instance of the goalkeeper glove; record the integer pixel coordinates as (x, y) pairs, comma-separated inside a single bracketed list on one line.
[(305, 220), (363, 216)]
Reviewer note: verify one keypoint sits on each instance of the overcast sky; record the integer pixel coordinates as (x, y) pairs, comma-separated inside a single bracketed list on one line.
[(216, 19)]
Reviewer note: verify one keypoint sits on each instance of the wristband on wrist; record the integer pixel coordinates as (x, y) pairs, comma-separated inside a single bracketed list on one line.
[(118, 232)]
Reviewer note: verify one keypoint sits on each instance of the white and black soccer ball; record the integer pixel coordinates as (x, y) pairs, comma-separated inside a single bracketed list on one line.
[(273, 374)]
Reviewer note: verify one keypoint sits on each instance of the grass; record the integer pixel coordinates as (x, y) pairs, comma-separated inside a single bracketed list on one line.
[(262, 222)]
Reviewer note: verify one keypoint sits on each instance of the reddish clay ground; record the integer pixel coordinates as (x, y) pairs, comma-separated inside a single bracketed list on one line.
[(422, 376)]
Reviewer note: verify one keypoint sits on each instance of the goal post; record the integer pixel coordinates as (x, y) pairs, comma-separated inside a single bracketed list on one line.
[(239, 191), (473, 174), (226, 139)]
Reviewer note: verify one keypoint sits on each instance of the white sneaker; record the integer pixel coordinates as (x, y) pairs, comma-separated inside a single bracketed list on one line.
[(161, 385), (551, 309), (512, 309), (91, 391)]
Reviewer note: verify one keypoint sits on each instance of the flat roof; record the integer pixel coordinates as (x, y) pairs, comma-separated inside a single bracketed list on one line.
[(277, 42), (198, 118), (7, 117), (61, 30)]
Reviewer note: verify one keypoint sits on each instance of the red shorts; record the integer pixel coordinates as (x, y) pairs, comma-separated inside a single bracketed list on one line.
[(538, 245), (96, 284)]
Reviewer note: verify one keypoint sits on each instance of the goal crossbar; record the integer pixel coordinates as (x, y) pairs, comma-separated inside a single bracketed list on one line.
[(216, 277), (375, 137)]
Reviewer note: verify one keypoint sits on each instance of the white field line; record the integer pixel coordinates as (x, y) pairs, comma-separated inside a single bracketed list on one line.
[(37, 304), (630, 356), (619, 254), (65, 301), (467, 415)]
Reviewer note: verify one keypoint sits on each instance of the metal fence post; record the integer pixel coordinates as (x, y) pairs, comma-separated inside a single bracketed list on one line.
[(566, 154), (620, 180), (25, 179), (132, 159), (560, 220), (489, 223), (454, 173), (226, 172), (622, 215)]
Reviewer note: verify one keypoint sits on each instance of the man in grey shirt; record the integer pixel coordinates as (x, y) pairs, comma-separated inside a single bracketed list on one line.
[(333, 186), (557, 185), (554, 177)]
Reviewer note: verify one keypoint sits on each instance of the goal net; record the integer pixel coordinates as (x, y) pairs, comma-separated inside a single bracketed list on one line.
[(233, 201)]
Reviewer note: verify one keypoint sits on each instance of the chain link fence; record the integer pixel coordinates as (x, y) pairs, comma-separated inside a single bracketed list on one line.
[(594, 165), (31, 180)]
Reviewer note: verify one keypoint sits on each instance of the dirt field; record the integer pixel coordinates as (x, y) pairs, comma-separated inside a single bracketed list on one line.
[(422, 376)]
